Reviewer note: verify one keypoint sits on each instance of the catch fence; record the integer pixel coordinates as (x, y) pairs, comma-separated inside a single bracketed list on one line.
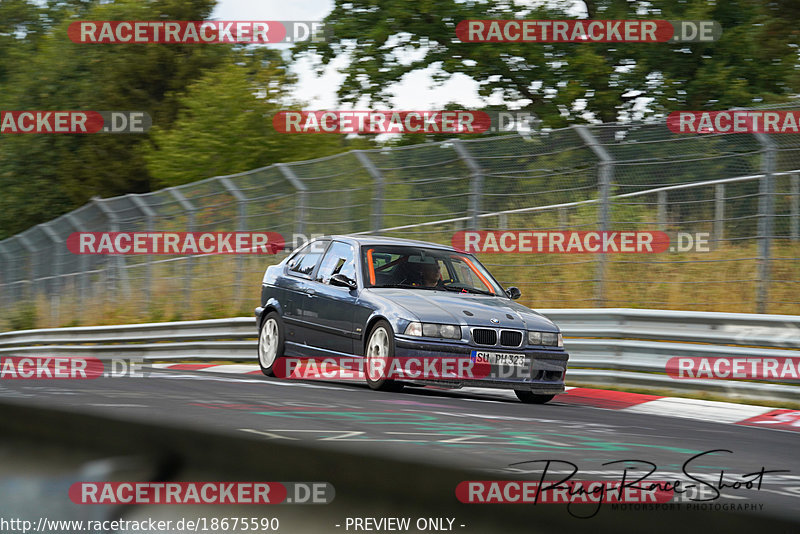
[(742, 190)]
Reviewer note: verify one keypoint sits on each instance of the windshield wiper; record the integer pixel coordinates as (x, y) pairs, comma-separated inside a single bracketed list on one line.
[(409, 286), (468, 290)]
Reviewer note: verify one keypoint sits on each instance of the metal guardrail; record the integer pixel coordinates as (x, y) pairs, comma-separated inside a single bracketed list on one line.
[(213, 329), (746, 329), (608, 346)]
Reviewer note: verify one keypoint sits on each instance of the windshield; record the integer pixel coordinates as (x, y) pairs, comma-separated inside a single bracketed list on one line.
[(424, 268)]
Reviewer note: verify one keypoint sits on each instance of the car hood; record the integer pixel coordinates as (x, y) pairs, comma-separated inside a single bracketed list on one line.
[(451, 308)]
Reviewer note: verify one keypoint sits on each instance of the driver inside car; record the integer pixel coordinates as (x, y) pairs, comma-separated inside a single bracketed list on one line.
[(430, 275)]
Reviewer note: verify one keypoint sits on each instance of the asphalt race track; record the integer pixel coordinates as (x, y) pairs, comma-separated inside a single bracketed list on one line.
[(487, 432)]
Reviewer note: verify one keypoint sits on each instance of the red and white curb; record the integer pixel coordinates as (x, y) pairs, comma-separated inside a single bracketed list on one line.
[(699, 410)]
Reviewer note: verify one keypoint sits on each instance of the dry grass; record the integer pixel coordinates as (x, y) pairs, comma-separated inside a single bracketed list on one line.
[(722, 280)]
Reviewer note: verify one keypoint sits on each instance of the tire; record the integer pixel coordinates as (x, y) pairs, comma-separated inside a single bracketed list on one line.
[(380, 346), (532, 398), (270, 343)]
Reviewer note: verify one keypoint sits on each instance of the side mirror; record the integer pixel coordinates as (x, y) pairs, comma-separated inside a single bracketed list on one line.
[(342, 281), (513, 293)]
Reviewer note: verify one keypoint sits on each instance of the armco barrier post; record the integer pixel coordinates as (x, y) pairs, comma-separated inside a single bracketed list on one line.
[(378, 190), (475, 185), (605, 170), (766, 220)]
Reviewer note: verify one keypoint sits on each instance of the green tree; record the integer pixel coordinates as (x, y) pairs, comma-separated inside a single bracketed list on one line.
[(754, 61), (225, 125), (42, 176)]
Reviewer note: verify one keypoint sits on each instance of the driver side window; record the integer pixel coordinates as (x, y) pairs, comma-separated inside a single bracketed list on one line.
[(339, 259)]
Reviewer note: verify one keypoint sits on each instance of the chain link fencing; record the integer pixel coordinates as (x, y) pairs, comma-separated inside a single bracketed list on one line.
[(742, 190)]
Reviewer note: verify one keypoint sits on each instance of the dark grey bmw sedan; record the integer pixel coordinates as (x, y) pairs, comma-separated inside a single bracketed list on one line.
[(379, 299)]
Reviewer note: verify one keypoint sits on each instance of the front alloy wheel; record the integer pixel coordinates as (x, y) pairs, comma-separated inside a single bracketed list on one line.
[(270, 343), (378, 356)]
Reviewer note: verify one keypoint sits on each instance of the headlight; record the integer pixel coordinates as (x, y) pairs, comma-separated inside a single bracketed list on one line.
[(447, 331), (550, 339), (430, 330), (534, 338), (450, 331)]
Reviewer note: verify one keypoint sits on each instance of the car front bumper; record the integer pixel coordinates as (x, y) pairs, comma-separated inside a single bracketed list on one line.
[(543, 372)]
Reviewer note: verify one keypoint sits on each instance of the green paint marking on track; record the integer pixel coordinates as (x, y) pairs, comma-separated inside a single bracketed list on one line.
[(510, 440)]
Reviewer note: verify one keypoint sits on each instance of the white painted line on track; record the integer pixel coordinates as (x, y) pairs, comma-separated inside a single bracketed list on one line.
[(696, 409)]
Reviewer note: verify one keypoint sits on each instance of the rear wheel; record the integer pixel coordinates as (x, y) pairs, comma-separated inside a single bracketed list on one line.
[(378, 356), (270, 343), (531, 398)]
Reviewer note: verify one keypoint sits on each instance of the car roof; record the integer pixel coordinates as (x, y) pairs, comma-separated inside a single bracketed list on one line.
[(367, 240)]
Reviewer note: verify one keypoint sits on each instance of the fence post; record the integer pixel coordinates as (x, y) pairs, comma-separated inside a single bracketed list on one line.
[(54, 294), (475, 186), (83, 259), (794, 207), (719, 216), (562, 218), (5, 297), (149, 215), (119, 260), (20, 270), (766, 220), (29, 291), (377, 199), (661, 199), (241, 213), (302, 197), (605, 170), (502, 221), (189, 209)]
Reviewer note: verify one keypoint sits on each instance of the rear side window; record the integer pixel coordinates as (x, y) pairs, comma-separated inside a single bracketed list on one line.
[(307, 259)]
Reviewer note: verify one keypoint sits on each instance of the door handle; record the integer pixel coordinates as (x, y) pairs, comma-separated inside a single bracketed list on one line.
[(311, 291)]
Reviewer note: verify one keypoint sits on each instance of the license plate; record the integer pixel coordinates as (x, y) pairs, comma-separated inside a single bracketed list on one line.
[(499, 358)]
